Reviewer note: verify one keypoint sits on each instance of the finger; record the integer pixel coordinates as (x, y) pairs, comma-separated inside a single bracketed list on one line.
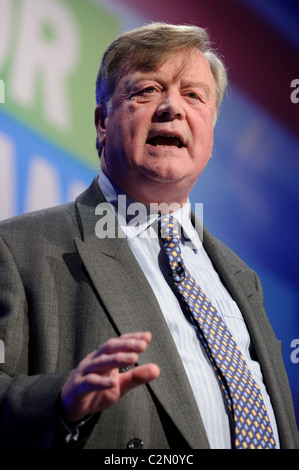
[(94, 382), (107, 362), (140, 375), (146, 335), (129, 342)]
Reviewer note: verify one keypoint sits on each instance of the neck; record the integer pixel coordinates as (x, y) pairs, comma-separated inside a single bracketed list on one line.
[(161, 197)]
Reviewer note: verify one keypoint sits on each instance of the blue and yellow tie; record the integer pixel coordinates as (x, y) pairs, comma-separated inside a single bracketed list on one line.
[(245, 402)]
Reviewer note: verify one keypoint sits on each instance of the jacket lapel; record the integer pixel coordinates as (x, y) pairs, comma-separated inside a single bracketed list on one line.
[(240, 284), (132, 306)]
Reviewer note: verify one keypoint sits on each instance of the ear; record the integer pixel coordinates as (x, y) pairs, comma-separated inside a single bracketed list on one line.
[(99, 120)]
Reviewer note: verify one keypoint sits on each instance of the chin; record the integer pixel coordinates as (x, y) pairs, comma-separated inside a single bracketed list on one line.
[(165, 172), (165, 177), (169, 183)]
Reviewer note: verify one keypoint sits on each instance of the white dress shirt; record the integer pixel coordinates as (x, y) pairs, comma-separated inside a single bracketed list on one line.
[(153, 261)]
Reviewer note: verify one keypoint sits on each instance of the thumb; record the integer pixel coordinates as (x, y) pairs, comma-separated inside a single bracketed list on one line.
[(140, 375)]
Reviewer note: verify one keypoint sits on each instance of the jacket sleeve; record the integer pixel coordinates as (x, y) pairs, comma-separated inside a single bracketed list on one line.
[(27, 402)]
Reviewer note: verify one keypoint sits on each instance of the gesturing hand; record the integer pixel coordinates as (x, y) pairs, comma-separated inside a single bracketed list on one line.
[(96, 383)]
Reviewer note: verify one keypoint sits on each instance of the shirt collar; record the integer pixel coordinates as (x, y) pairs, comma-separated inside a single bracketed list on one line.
[(134, 217)]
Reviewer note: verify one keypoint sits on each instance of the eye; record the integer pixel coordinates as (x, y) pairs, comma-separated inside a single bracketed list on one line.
[(146, 93), (148, 90), (193, 95)]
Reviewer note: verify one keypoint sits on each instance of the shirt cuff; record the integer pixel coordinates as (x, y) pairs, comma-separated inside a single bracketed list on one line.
[(73, 429)]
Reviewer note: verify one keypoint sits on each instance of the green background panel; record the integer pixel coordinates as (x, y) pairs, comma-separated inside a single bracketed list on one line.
[(97, 28)]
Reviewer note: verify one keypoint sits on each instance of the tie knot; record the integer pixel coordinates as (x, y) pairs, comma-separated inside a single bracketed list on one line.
[(169, 228)]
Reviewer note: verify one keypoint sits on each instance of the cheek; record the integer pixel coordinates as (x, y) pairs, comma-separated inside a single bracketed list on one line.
[(127, 136), (203, 138), (201, 125), (211, 139), (131, 121)]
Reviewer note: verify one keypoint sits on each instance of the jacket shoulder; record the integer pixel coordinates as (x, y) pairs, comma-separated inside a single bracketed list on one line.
[(237, 264), (42, 226)]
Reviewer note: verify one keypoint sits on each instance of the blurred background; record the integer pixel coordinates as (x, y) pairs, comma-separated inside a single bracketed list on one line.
[(49, 55)]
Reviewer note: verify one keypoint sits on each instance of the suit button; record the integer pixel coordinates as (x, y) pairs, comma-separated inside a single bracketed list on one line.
[(135, 443)]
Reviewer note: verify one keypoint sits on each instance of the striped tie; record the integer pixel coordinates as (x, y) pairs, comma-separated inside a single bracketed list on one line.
[(245, 402)]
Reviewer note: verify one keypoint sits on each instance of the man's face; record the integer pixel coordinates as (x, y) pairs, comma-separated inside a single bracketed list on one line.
[(159, 136)]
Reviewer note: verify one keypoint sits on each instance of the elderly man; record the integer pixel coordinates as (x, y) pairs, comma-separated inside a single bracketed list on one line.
[(105, 349)]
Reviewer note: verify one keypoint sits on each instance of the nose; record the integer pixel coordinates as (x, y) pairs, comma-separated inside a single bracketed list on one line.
[(170, 107)]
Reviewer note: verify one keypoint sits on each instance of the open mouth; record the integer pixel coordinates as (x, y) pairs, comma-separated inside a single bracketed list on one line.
[(165, 141)]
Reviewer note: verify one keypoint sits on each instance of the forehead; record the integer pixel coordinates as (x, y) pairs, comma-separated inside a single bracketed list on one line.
[(182, 65)]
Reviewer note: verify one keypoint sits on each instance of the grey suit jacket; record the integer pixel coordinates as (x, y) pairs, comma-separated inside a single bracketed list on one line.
[(64, 291)]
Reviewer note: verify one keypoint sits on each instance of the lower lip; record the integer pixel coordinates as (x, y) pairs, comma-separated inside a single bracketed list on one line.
[(164, 147)]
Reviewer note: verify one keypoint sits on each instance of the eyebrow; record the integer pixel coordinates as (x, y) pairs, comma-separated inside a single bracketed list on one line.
[(130, 85)]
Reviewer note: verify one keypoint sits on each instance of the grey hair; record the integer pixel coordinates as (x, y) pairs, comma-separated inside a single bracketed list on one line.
[(149, 46)]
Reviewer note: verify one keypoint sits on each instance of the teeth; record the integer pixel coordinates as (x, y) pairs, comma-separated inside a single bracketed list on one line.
[(170, 136), (166, 140)]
